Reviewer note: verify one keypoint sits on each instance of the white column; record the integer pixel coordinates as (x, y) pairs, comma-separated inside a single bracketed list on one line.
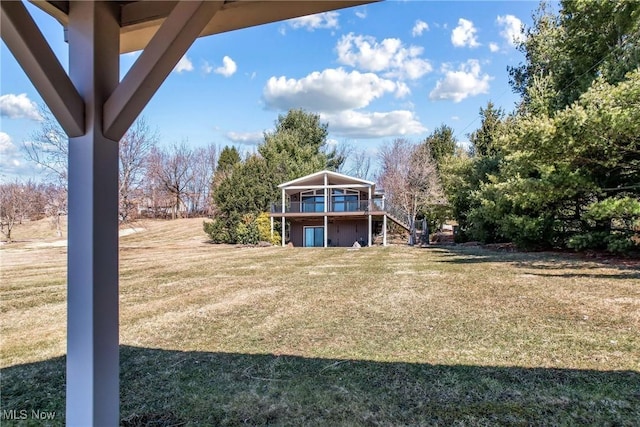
[(384, 230), (326, 209), (384, 222), (92, 290), (271, 227), (284, 205), (369, 207)]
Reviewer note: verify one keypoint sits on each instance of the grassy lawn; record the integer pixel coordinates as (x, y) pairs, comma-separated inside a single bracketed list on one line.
[(219, 335)]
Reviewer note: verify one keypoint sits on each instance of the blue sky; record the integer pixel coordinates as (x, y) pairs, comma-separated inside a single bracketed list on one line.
[(374, 73)]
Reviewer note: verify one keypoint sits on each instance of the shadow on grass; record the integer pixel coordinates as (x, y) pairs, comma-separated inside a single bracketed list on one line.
[(550, 261), (171, 388)]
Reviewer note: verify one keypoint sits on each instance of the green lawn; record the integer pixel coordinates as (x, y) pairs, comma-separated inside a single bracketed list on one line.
[(219, 335)]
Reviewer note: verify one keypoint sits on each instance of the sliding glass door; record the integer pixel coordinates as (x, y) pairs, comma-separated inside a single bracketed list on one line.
[(314, 236)]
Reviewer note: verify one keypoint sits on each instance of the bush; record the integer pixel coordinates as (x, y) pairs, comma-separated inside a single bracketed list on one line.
[(532, 233), (247, 231), (619, 243), (218, 231), (264, 228)]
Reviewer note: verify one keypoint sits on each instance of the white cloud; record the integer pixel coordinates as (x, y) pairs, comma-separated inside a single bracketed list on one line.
[(228, 67), (355, 124), (317, 21), (464, 34), (458, 85), (493, 47), (511, 29), (183, 65), (6, 145), (247, 138), (390, 56), (419, 28), (402, 90), (12, 161), (329, 91), (361, 13), (18, 107), (206, 67)]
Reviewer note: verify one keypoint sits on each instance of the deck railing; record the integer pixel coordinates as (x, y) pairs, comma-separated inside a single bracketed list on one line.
[(334, 207)]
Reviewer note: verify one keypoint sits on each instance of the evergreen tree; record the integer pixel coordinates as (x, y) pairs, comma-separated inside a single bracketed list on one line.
[(244, 190), (229, 157), (442, 143), (566, 51), (483, 140)]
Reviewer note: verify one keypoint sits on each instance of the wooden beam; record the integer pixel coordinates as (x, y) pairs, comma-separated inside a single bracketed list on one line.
[(24, 39), (168, 45)]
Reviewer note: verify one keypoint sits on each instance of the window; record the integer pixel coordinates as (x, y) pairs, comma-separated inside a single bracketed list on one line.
[(312, 201), (344, 200)]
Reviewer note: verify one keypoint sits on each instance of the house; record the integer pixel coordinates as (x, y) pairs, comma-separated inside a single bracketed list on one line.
[(330, 209)]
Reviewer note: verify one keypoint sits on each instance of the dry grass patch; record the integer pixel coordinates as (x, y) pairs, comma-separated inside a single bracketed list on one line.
[(219, 335)]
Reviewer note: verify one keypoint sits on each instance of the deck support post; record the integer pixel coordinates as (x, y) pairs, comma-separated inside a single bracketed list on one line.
[(284, 195), (369, 207), (326, 209), (384, 222)]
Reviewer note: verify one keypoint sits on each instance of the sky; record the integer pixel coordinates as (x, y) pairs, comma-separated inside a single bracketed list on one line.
[(395, 69)]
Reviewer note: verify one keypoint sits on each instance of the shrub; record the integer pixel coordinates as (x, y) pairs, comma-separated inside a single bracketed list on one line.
[(218, 231), (264, 228), (247, 232)]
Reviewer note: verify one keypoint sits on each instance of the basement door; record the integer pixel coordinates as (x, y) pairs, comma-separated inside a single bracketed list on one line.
[(314, 237)]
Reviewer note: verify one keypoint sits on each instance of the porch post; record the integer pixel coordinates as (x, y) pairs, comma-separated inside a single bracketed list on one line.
[(283, 209), (92, 290), (326, 203), (384, 222), (271, 227), (370, 218)]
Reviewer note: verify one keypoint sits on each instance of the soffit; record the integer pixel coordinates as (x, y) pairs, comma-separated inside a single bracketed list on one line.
[(139, 20), (316, 179)]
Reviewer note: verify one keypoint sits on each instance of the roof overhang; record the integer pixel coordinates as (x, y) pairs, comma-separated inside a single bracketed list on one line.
[(333, 179), (139, 20)]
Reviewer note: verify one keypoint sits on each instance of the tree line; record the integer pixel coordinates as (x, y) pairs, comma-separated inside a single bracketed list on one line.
[(561, 171), (154, 181)]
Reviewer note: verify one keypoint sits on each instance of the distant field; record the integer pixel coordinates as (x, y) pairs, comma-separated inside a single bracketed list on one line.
[(222, 335)]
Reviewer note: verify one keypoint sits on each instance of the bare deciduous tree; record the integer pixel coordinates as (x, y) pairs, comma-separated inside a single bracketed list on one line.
[(18, 202), (171, 170), (10, 208), (205, 160), (134, 150), (360, 162), (49, 148), (409, 177), (55, 198)]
